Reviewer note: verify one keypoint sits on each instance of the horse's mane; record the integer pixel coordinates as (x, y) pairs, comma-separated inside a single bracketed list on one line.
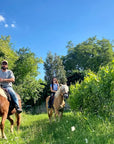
[(58, 92), (2, 93)]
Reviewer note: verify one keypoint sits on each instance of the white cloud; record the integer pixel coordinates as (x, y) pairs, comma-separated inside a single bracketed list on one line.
[(6, 25), (12, 25), (2, 19)]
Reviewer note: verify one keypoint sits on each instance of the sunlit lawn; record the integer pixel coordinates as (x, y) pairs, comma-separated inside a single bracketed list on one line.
[(72, 129)]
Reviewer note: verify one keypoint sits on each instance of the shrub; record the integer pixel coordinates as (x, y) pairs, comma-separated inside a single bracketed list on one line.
[(95, 94)]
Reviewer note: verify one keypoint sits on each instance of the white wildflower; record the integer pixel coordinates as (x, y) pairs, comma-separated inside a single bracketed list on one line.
[(73, 128), (86, 140)]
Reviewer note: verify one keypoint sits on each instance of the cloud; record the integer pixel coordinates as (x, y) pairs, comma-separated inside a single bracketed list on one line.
[(6, 25), (2, 19), (12, 25)]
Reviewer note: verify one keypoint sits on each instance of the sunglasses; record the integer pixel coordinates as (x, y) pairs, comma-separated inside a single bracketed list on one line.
[(4, 63)]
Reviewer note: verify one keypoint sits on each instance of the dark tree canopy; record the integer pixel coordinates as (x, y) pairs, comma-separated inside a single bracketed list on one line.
[(90, 54)]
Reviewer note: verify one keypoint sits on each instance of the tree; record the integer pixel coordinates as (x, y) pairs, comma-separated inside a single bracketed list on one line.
[(90, 54), (7, 52), (26, 65), (54, 68), (30, 90), (96, 93), (49, 67), (59, 71)]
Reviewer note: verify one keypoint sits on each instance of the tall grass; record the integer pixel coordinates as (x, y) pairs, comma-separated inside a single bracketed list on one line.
[(36, 129)]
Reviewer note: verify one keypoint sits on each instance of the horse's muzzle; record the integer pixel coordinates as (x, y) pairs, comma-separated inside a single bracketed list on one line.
[(66, 95)]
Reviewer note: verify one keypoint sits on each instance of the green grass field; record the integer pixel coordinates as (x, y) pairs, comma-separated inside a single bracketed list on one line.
[(36, 129)]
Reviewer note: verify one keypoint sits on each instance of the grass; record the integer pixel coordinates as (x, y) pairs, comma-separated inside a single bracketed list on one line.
[(36, 129)]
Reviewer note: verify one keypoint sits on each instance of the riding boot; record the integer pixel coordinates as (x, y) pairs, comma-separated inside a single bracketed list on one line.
[(18, 109), (49, 103)]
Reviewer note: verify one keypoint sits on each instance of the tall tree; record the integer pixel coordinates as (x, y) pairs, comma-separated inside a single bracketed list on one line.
[(54, 68), (27, 64), (7, 52), (49, 67), (90, 54), (59, 72)]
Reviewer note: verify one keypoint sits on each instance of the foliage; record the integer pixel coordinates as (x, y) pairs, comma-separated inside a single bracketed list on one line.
[(54, 68), (96, 93), (26, 65), (90, 54), (76, 76), (49, 67), (7, 52), (30, 90), (36, 129)]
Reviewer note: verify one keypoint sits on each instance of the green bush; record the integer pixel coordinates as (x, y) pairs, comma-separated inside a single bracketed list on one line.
[(96, 93), (31, 90)]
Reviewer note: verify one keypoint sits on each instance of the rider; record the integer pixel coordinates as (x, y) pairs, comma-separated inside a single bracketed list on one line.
[(53, 87), (6, 79)]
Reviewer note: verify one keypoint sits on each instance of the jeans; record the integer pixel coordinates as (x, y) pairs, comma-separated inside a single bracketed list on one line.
[(51, 100), (12, 94)]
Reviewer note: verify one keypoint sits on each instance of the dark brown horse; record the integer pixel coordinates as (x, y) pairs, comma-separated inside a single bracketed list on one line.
[(6, 110)]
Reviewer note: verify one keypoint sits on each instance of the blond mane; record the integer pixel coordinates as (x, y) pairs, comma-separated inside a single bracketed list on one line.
[(61, 88), (57, 92)]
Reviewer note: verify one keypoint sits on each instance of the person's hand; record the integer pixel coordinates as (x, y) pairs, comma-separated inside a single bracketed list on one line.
[(1, 79)]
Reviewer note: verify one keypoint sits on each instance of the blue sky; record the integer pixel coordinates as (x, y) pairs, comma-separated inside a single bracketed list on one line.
[(47, 25)]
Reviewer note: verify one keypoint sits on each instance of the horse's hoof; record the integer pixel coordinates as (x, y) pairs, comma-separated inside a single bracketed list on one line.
[(11, 131), (4, 137)]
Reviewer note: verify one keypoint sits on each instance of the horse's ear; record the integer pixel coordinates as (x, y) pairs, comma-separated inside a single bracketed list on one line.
[(60, 84)]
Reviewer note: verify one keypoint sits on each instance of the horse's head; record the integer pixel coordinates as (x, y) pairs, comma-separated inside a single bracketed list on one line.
[(64, 91)]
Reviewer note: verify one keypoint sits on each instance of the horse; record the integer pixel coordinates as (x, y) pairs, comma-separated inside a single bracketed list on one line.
[(6, 110), (59, 103)]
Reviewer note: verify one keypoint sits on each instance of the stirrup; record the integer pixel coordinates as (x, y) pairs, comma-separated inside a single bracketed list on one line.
[(19, 110)]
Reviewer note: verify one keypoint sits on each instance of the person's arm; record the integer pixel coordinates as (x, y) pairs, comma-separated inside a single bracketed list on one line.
[(52, 89), (7, 80)]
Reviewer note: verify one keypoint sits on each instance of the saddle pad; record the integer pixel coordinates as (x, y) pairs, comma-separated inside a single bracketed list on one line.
[(2, 93)]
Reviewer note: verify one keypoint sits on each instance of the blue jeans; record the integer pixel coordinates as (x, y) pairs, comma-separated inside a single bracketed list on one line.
[(12, 94)]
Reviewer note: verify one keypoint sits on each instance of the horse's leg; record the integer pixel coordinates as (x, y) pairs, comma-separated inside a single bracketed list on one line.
[(60, 115), (62, 104), (56, 113), (18, 117), (50, 113), (12, 123), (4, 117), (49, 110)]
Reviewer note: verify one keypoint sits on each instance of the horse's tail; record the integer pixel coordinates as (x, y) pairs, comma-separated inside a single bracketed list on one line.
[(47, 99)]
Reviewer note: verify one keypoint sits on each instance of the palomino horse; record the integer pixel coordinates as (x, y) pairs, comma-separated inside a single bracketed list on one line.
[(59, 103), (6, 110)]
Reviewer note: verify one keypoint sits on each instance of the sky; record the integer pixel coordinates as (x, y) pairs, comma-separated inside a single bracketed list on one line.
[(48, 25)]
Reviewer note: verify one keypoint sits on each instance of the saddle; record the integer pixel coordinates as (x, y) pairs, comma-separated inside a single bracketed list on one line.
[(6, 94)]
